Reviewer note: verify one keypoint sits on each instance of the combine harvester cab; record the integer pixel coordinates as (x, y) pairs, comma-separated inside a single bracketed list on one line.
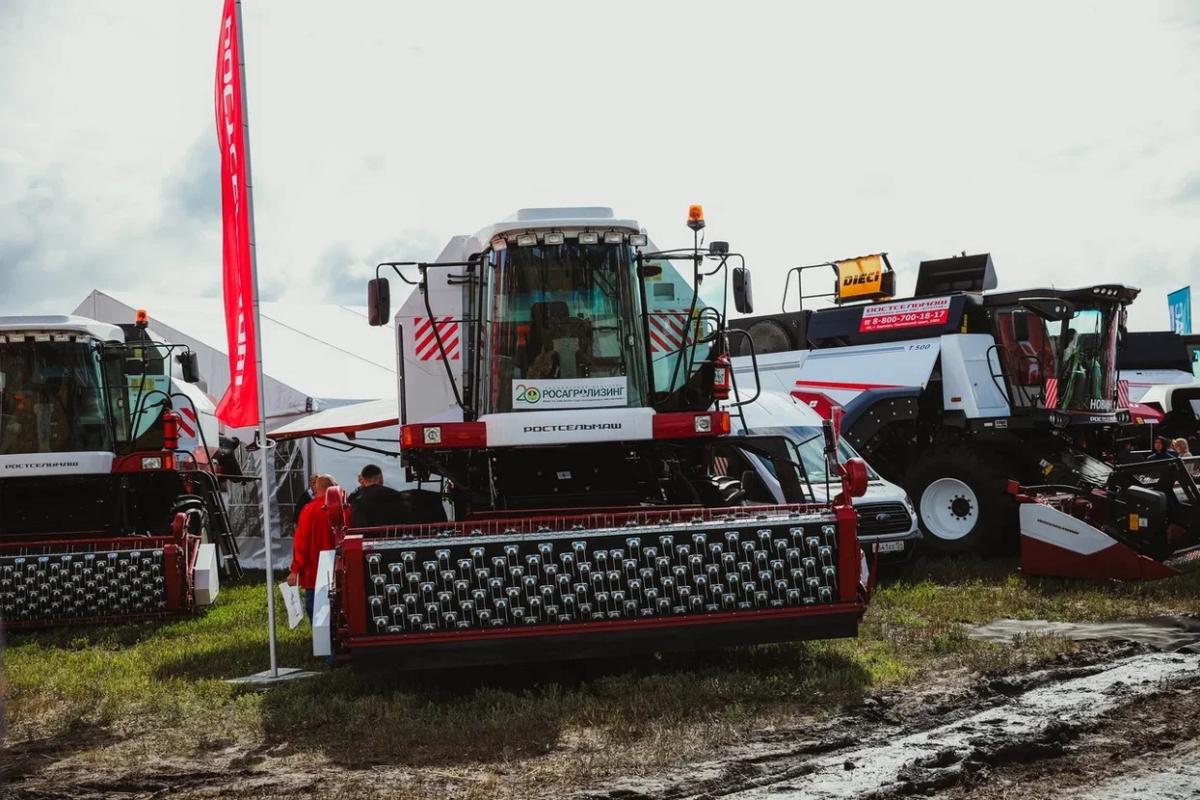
[(568, 393), (957, 390), (107, 494)]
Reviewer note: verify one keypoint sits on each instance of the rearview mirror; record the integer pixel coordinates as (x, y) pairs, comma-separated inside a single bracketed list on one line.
[(133, 366), (743, 294), (379, 301), (189, 366), (1051, 309)]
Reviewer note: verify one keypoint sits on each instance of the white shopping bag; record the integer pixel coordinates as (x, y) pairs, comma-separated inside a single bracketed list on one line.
[(295, 605)]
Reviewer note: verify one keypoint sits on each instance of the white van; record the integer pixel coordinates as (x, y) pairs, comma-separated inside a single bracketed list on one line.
[(887, 522)]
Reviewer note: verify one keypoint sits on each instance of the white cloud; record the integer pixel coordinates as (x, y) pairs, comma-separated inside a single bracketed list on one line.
[(1061, 136)]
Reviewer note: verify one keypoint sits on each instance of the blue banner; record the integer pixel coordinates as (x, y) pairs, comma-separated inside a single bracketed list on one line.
[(1180, 304)]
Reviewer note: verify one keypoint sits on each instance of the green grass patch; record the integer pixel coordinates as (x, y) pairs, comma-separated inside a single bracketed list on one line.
[(168, 678)]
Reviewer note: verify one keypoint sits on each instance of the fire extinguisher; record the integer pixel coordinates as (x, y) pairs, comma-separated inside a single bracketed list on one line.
[(722, 377)]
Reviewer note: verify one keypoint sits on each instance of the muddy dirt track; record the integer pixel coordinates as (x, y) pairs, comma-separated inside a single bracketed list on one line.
[(1116, 720), (1091, 727)]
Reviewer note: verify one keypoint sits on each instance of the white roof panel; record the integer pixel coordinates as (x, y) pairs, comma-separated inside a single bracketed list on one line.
[(343, 419), (566, 219), (63, 323)]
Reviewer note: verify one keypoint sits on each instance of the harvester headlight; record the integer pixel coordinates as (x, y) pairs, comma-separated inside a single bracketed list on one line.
[(526, 239), (554, 237), (152, 462), (613, 237), (499, 243), (589, 237), (703, 423), (433, 435), (638, 240)]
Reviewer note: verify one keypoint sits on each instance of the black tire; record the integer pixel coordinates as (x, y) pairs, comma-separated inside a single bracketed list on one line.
[(979, 516)]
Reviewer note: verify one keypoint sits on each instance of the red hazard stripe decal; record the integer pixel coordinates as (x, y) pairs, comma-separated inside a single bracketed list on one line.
[(184, 411), (425, 338)]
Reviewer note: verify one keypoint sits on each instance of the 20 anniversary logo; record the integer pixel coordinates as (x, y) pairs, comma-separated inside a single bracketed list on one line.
[(527, 394)]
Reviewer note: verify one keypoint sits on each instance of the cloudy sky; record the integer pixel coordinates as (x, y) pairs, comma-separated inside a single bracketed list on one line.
[(1063, 137)]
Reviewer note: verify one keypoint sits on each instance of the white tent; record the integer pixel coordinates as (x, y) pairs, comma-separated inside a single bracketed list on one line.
[(315, 357)]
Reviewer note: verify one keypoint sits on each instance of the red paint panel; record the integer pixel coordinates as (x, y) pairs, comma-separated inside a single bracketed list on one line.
[(352, 591), (611, 626), (1119, 562), (849, 559)]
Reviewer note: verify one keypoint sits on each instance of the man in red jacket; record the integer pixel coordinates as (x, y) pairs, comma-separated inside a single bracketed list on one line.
[(313, 534)]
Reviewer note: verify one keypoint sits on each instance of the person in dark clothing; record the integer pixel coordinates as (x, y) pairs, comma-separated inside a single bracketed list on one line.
[(305, 498), (353, 496), (1162, 449), (377, 504)]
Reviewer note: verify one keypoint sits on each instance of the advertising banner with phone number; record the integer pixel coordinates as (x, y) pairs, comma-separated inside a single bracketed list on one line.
[(905, 314)]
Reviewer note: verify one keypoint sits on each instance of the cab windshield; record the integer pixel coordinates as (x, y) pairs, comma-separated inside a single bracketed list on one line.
[(52, 398), (1085, 348), (563, 329)]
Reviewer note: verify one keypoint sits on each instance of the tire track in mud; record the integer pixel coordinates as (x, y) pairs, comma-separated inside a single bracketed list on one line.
[(1020, 720)]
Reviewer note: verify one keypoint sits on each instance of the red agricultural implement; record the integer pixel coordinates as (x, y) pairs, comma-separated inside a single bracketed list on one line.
[(569, 394), (108, 496)]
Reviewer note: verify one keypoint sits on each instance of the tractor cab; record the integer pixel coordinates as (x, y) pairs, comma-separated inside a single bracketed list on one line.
[(54, 394), (559, 323), (560, 327), (1058, 351)]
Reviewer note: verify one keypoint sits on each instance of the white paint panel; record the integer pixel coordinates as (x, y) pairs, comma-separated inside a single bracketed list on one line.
[(321, 619), (1054, 527), (1146, 382), (569, 427), (428, 393), (206, 579), (968, 363), (86, 463), (843, 373)]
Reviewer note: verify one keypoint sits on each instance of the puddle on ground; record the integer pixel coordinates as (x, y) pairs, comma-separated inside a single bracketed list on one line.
[(1066, 705), (1179, 780), (1167, 634)]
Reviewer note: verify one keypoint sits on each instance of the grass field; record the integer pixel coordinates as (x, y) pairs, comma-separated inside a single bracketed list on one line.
[(163, 685)]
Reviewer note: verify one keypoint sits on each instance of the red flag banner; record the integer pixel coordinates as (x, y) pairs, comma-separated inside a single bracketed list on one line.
[(239, 406)]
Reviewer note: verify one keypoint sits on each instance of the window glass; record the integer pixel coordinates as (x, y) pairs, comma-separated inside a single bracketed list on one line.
[(1086, 349), (674, 325), (810, 445), (51, 398), (562, 329)]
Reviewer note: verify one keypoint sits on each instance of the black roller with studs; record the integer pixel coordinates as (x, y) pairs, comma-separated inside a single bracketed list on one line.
[(474, 582), (78, 586)]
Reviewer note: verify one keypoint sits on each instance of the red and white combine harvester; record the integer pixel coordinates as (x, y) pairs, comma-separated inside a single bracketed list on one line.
[(959, 390), (107, 493), (569, 398)]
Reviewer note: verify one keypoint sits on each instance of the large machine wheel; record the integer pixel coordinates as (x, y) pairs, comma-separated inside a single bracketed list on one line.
[(188, 504), (961, 501)]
